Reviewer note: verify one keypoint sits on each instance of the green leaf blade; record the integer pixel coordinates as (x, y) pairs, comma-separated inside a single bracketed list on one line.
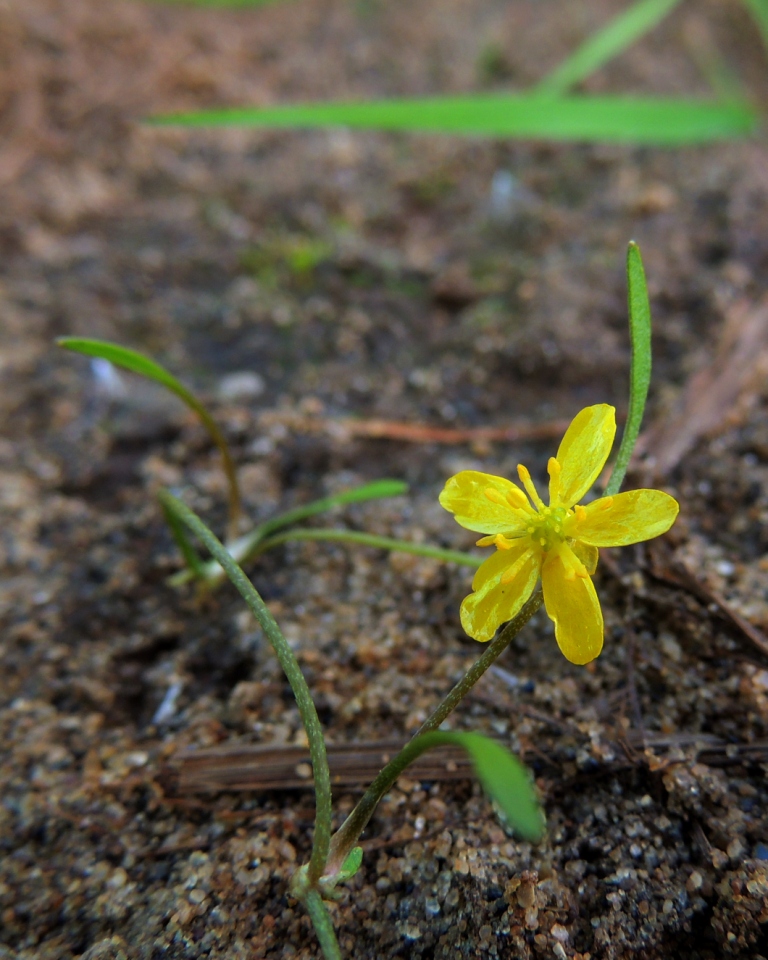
[(640, 369), (605, 44), (146, 367), (504, 779), (651, 120)]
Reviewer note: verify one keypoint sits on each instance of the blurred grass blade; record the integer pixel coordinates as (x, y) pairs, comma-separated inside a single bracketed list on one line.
[(605, 44), (640, 370), (651, 120), (251, 544), (759, 10), (376, 490), (137, 363), (504, 778)]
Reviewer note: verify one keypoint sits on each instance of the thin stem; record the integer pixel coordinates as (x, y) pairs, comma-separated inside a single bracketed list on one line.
[(349, 832), (292, 670), (370, 540), (321, 921), (246, 547)]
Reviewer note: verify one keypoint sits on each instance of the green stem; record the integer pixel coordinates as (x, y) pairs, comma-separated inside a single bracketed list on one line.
[(191, 557), (246, 547), (321, 921), (349, 832), (369, 540), (292, 670)]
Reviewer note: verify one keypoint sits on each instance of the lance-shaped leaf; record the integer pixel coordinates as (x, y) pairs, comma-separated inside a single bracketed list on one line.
[(504, 778), (138, 363)]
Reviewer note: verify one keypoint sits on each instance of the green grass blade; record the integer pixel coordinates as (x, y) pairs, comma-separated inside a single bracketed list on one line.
[(250, 545), (372, 540), (605, 44), (640, 370), (504, 778), (648, 120), (137, 363), (759, 10)]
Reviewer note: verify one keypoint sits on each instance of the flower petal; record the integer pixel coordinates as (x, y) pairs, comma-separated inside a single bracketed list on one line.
[(626, 518), (587, 554), (583, 451), (493, 601), (485, 503), (575, 609)]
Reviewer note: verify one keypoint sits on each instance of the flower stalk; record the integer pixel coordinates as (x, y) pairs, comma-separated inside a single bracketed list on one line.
[(349, 833)]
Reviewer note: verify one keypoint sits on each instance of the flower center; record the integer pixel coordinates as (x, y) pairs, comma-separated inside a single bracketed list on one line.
[(547, 527)]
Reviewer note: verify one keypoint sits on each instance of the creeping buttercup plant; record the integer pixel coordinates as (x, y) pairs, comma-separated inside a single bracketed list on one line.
[(557, 542)]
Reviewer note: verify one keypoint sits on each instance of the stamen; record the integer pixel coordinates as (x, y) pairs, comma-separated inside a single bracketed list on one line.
[(554, 469), (509, 575), (573, 566), (581, 514), (501, 542), (517, 499), (606, 503), (486, 541), (525, 479), (495, 497)]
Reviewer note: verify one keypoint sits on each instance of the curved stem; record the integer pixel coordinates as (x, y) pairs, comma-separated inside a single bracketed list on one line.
[(369, 540), (293, 673), (349, 832), (321, 921)]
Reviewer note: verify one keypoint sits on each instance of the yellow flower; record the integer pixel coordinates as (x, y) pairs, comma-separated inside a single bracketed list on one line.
[(557, 542)]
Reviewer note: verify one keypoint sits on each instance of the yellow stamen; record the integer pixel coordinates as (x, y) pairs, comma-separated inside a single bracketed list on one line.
[(509, 575), (495, 497), (516, 498), (573, 566), (554, 469), (581, 513), (501, 542), (606, 503), (525, 479), (486, 541)]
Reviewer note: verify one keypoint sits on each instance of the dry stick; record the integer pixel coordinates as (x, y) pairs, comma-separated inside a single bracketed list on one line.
[(347, 835)]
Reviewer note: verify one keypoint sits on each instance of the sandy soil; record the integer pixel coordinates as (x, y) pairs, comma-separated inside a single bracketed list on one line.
[(432, 300)]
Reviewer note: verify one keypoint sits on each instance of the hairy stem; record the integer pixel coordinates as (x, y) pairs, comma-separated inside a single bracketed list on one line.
[(321, 921)]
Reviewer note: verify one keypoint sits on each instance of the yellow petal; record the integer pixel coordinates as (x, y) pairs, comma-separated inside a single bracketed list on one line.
[(584, 450), (493, 601), (587, 554), (575, 609), (626, 518), (485, 503)]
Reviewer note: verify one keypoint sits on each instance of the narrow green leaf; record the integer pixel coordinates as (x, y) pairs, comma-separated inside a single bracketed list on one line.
[(640, 369), (605, 44), (759, 10), (351, 865), (137, 363), (251, 544), (652, 120), (504, 778)]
